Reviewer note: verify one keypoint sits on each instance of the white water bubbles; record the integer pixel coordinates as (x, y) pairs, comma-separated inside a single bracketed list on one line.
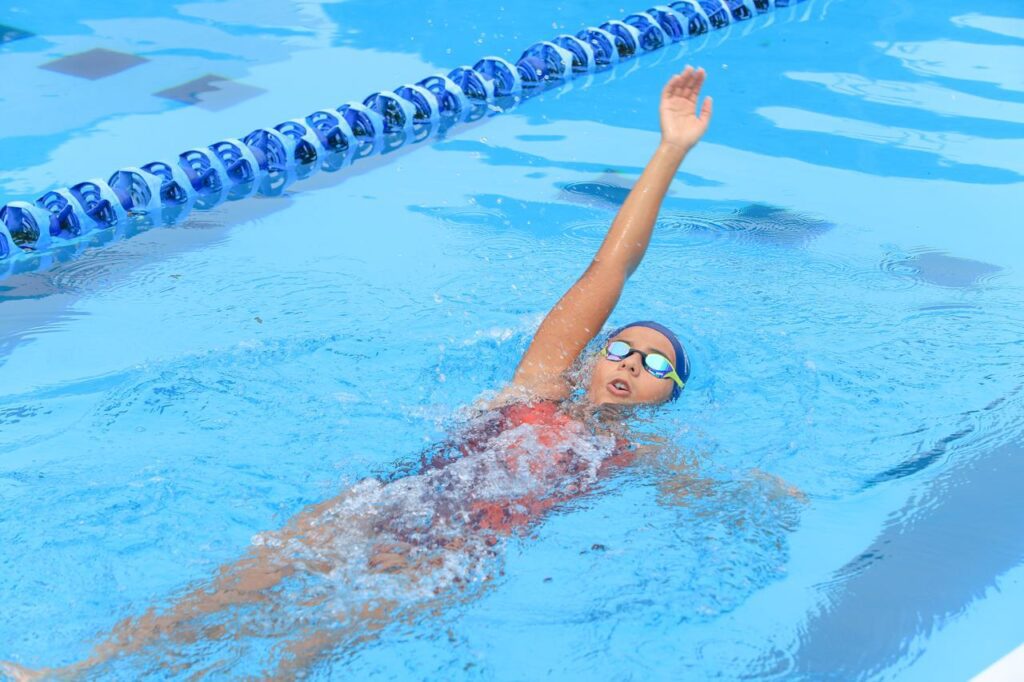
[(440, 527)]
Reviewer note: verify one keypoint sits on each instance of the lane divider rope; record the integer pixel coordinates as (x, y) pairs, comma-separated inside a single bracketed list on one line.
[(268, 160)]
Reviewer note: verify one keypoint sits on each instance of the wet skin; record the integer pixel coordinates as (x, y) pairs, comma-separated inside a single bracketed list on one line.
[(642, 387)]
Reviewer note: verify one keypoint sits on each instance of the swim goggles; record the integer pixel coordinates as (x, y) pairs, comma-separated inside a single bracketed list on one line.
[(655, 363)]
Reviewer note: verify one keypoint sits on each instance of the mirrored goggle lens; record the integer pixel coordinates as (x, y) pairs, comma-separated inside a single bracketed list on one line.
[(617, 350), (658, 364)]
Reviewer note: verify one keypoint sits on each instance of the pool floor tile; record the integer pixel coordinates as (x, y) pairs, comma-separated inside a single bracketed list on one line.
[(211, 92), (94, 64), (8, 34)]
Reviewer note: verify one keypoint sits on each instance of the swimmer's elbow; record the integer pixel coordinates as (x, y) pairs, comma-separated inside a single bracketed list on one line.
[(607, 271)]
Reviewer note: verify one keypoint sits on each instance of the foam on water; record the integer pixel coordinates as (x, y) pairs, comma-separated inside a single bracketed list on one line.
[(386, 548)]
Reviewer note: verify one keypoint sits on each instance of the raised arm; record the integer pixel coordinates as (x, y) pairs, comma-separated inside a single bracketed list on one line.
[(584, 309)]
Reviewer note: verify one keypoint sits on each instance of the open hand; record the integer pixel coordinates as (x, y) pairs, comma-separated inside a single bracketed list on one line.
[(680, 126)]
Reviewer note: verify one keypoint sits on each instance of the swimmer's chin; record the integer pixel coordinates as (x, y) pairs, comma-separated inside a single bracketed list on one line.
[(603, 398), (610, 411)]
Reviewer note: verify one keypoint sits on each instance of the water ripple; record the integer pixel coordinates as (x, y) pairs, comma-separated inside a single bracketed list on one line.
[(938, 268), (754, 223)]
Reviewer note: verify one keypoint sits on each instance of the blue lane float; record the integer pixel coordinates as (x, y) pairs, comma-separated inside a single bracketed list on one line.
[(268, 160)]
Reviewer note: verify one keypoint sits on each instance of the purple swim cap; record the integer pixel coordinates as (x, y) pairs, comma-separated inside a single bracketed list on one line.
[(682, 363)]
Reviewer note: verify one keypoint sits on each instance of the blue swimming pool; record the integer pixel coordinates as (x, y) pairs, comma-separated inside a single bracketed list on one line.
[(841, 254)]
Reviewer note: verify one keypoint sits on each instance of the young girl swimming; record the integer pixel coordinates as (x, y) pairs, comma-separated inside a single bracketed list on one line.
[(380, 552)]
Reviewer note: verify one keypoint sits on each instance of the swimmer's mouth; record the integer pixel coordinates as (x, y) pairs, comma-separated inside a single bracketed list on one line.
[(619, 388)]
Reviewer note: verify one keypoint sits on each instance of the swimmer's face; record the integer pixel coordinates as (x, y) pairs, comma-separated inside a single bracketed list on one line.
[(627, 382)]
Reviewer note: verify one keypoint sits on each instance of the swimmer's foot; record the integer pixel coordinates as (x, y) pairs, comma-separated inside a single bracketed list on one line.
[(777, 488), (390, 557), (18, 673)]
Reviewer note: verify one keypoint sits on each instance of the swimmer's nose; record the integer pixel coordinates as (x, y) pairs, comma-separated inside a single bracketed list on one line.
[(631, 364)]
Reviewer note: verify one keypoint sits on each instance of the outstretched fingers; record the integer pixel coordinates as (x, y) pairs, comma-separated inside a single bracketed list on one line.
[(677, 83), (684, 118), (693, 82), (670, 87), (688, 86), (706, 110)]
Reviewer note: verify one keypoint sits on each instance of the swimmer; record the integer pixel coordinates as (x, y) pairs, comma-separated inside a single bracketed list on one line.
[(381, 552)]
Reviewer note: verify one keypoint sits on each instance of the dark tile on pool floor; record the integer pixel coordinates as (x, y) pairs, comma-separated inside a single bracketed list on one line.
[(606, 189), (8, 34), (938, 268), (94, 64), (211, 92)]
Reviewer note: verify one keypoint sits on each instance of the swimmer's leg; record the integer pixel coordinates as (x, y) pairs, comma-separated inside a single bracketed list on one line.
[(20, 673), (243, 582), (358, 627), (365, 622), (247, 581)]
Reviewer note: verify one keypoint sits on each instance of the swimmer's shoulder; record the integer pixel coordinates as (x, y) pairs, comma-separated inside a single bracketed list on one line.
[(556, 390), (518, 394)]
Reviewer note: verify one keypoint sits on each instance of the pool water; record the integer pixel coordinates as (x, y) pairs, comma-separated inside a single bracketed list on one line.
[(841, 255)]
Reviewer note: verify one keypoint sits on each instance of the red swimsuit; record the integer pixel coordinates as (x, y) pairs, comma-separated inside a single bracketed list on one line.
[(555, 462)]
